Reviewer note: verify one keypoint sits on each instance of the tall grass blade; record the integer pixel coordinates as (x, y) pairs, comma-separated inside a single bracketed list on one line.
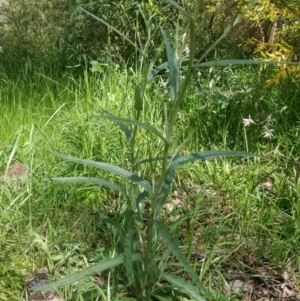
[(128, 257), (156, 70), (108, 167), (174, 75), (146, 126), (179, 161), (92, 270), (138, 98), (173, 246), (243, 62), (161, 298), (108, 221), (144, 17), (164, 191), (97, 181), (180, 8), (183, 286), (113, 28), (53, 115), (149, 160), (122, 126), (89, 295), (139, 199), (12, 153)]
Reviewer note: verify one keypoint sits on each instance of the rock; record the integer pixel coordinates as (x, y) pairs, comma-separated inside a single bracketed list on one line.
[(16, 174)]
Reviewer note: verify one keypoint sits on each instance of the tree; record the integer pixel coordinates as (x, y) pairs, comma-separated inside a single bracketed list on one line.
[(279, 30)]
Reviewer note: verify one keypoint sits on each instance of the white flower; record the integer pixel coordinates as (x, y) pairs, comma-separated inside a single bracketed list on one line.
[(187, 49), (163, 84), (248, 121), (268, 133)]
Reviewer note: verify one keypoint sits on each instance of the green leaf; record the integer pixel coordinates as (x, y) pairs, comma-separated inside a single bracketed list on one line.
[(161, 67), (156, 70), (108, 167), (146, 21), (97, 181), (173, 246), (122, 126), (92, 270), (149, 161), (128, 245), (179, 161), (128, 257), (89, 295), (138, 98), (174, 76), (77, 6), (183, 286), (139, 199), (243, 62), (164, 191), (146, 126), (181, 9), (169, 298), (112, 28), (108, 221)]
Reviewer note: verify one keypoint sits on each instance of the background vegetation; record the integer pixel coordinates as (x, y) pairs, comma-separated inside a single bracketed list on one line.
[(59, 66)]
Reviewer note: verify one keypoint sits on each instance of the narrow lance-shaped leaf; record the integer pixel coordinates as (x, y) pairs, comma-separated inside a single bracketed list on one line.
[(180, 8), (179, 161), (164, 192), (161, 67), (111, 168), (92, 270), (156, 159), (146, 21), (183, 286), (142, 196), (173, 246), (128, 257), (174, 76), (156, 70), (138, 98), (150, 160), (243, 62), (146, 126), (112, 28), (97, 181), (108, 221), (93, 294), (128, 245), (122, 126)]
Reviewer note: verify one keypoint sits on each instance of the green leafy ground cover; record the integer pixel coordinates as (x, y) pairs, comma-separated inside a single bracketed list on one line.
[(111, 209), (228, 214)]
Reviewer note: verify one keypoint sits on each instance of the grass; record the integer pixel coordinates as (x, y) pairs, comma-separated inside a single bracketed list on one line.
[(227, 214)]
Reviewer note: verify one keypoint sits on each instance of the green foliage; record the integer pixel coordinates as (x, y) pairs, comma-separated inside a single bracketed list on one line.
[(213, 222), (142, 280), (278, 29), (56, 34), (224, 218), (13, 272), (15, 265), (33, 32)]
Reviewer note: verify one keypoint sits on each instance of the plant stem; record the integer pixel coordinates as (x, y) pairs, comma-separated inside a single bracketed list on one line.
[(169, 131)]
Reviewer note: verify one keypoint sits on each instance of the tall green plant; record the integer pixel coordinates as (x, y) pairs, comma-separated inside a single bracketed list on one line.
[(141, 256)]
